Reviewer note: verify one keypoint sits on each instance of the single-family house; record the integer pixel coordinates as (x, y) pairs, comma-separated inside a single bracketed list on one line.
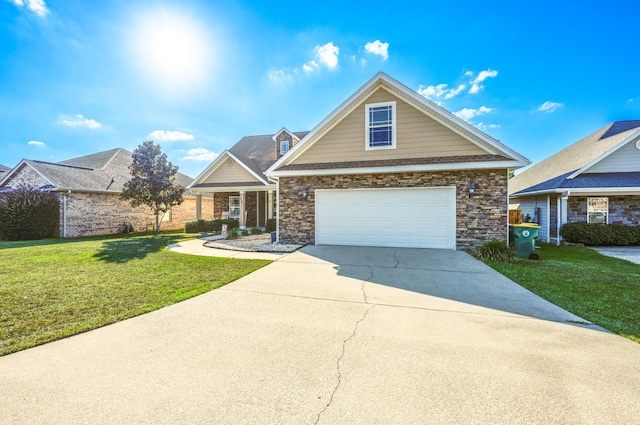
[(595, 180), (89, 188), (388, 167), (237, 181)]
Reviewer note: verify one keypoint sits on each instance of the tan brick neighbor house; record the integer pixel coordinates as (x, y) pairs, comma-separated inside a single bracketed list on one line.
[(89, 188), (388, 167), (595, 180)]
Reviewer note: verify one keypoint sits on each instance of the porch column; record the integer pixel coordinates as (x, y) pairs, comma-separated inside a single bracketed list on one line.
[(243, 202), (198, 206), (270, 204)]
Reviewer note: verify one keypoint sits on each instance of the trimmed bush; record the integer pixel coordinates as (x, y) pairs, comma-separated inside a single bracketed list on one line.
[(495, 250), (271, 225), (209, 226), (234, 233), (29, 214), (256, 231), (600, 234)]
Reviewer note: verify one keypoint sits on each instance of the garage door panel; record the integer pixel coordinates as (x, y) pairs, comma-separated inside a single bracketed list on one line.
[(417, 217)]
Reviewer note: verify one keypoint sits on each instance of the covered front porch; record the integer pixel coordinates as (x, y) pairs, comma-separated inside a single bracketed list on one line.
[(251, 206)]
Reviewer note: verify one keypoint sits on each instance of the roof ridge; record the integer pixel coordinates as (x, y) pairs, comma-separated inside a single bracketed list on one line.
[(59, 164)]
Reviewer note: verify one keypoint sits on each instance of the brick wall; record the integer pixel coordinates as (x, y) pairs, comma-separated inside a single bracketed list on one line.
[(91, 214), (478, 219), (622, 209)]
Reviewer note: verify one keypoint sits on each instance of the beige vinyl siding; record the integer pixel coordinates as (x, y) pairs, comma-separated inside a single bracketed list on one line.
[(230, 174), (624, 160), (417, 136)]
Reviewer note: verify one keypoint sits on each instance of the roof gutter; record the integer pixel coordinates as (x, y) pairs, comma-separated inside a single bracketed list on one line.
[(577, 190)]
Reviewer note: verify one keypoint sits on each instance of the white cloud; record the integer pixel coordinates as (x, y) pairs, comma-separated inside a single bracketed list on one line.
[(327, 55), (39, 7), (80, 121), (279, 76), (36, 143), (468, 113), (484, 127), (378, 48), (169, 136), (440, 91), (311, 66), (549, 107), (200, 154), (483, 75)]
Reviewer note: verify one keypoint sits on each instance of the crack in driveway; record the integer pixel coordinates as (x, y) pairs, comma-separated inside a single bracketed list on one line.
[(344, 343)]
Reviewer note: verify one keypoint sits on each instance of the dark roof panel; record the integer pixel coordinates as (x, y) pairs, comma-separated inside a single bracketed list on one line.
[(620, 127)]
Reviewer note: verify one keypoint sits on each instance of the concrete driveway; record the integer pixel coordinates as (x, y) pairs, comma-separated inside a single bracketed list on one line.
[(629, 253), (337, 335)]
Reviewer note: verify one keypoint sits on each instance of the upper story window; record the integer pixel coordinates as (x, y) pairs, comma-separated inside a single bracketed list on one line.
[(380, 126), (284, 147)]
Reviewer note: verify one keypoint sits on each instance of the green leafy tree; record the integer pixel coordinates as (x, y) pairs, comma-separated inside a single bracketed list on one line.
[(152, 182)]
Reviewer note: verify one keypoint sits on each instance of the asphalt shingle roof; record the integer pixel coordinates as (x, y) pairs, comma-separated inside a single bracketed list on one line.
[(552, 172), (102, 171), (258, 153)]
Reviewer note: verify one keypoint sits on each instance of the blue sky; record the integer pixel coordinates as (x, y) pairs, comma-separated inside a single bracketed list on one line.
[(79, 77)]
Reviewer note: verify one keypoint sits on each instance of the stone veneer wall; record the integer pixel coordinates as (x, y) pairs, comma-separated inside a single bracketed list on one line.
[(221, 204), (478, 219), (622, 209)]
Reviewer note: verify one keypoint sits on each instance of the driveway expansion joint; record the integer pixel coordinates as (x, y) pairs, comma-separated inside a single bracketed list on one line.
[(344, 343)]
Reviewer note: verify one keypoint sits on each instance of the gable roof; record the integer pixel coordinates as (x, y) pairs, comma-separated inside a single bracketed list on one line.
[(4, 169), (498, 155), (568, 169), (254, 153), (100, 172)]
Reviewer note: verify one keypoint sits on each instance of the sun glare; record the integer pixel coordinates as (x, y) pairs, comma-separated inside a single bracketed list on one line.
[(173, 51)]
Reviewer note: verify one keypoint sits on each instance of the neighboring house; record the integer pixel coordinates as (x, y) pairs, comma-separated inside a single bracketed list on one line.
[(3, 171), (388, 167), (595, 180), (237, 181), (89, 188)]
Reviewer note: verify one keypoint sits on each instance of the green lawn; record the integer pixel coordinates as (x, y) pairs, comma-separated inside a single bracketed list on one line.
[(603, 290), (54, 288)]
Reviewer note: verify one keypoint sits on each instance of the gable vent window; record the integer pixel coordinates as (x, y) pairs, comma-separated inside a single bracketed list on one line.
[(380, 126), (284, 147)]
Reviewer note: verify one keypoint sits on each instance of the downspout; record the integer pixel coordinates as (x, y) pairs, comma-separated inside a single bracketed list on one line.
[(561, 212), (64, 213)]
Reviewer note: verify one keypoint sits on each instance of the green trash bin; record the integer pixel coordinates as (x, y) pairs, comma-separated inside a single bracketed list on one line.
[(523, 238)]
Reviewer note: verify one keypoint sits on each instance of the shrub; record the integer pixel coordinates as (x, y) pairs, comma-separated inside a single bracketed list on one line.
[(271, 225), (600, 234), (495, 250), (234, 233), (244, 232), (209, 226), (28, 214), (256, 231)]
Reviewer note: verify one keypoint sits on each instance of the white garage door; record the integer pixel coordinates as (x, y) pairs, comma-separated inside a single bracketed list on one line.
[(416, 217)]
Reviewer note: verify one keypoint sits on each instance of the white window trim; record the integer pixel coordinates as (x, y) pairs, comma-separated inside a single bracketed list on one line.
[(231, 209), (282, 143), (606, 218), (394, 124)]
